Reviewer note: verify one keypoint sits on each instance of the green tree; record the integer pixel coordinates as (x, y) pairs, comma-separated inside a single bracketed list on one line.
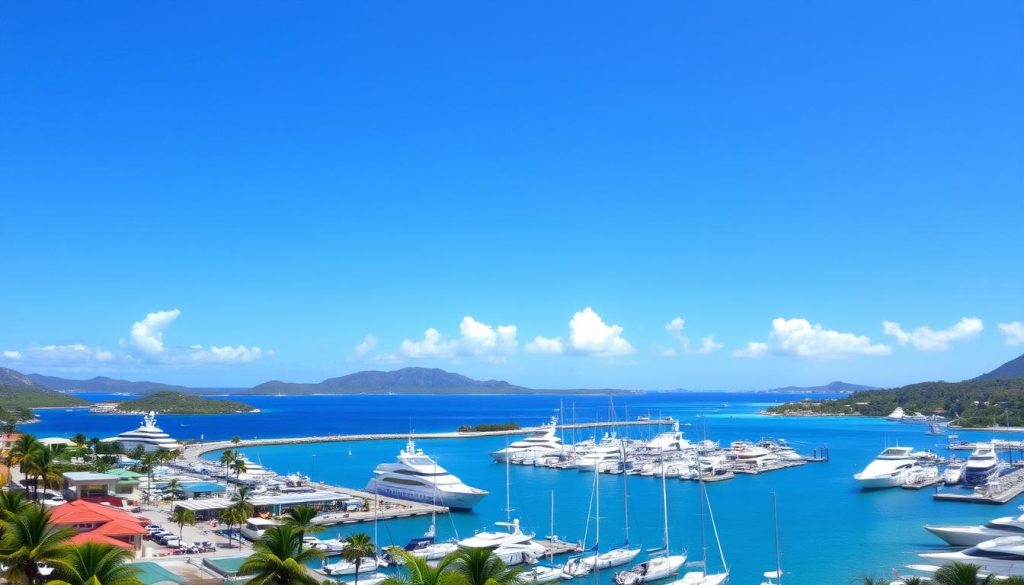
[(23, 451), (480, 566), (226, 459), (30, 539), (40, 464), (239, 467), (236, 440), (277, 558), (183, 517), (94, 563), (957, 573), (301, 517), (172, 486), (357, 547), (232, 516), (417, 571)]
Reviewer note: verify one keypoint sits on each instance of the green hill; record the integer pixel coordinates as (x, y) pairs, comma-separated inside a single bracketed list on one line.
[(976, 403), (172, 402), (1011, 370)]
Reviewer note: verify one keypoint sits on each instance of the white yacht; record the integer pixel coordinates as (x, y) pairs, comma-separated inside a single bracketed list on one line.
[(496, 538), (889, 469), (254, 528), (520, 553), (975, 535), (1000, 556), (148, 436), (983, 464), (538, 574), (753, 457), (584, 564), (343, 567), (609, 450), (542, 442), (668, 442), (417, 477)]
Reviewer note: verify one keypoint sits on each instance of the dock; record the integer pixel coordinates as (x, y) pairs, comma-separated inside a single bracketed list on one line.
[(923, 483), (555, 546), (748, 470), (1001, 491)]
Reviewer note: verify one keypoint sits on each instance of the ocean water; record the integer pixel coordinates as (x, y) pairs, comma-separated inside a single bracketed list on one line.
[(831, 532)]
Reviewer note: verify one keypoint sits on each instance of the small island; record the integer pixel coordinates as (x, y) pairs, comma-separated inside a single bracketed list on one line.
[(173, 402), (489, 428)]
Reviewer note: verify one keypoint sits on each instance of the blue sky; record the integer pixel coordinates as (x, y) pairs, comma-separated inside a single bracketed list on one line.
[(183, 183)]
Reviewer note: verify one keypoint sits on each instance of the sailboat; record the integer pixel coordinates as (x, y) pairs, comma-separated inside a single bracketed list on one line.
[(775, 577), (702, 577), (663, 564), (585, 564), (494, 539), (545, 573), (426, 547), (366, 564)]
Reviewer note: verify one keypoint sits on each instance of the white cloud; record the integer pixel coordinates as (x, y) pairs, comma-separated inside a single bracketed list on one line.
[(433, 345), (148, 335), (66, 355), (475, 339), (479, 338), (797, 337), (709, 345), (675, 329), (366, 346), (545, 345), (1014, 332), (927, 339), (588, 335), (227, 354)]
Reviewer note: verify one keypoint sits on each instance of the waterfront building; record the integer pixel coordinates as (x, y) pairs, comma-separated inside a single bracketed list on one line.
[(99, 523), (87, 484)]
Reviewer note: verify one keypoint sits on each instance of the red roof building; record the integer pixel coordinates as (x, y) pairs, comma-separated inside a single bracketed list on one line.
[(99, 523)]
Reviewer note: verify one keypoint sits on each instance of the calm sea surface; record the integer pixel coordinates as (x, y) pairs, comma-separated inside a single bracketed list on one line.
[(831, 531)]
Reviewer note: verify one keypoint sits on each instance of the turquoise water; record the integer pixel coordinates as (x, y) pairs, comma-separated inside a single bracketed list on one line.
[(831, 531)]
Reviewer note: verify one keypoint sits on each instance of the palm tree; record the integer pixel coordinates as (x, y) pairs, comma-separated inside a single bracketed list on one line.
[(238, 466), (173, 486), (480, 566), (148, 461), (957, 573), (419, 572), (226, 459), (301, 518), (183, 517), (11, 502), (22, 452), (40, 464), (232, 516), (357, 547), (79, 439), (94, 563), (29, 539), (242, 500), (277, 558)]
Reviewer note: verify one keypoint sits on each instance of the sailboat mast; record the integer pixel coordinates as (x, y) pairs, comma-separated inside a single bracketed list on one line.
[(703, 531), (714, 529), (625, 488), (508, 487), (597, 533), (664, 504), (552, 515), (778, 549)]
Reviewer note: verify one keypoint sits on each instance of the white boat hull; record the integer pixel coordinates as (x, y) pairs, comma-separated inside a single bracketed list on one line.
[(968, 535), (458, 500), (879, 482)]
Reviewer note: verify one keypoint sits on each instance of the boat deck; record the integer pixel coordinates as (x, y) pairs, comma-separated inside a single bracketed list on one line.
[(556, 546)]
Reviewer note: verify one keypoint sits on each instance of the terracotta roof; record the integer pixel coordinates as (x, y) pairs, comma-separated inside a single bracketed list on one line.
[(120, 528), (93, 536), (83, 512)]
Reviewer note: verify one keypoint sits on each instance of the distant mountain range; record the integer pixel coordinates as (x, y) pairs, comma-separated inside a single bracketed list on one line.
[(101, 384), (830, 387), (18, 391), (1011, 370), (410, 381)]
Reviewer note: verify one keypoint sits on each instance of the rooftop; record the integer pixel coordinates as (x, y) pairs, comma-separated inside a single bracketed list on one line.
[(89, 476), (83, 512)]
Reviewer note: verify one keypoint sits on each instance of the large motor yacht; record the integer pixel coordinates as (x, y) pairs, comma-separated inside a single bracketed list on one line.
[(417, 477), (974, 535), (889, 469), (539, 444), (983, 464), (1000, 556), (148, 436), (668, 442)]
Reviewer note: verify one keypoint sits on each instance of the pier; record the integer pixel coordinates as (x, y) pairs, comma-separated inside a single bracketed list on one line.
[(1001, 491), (195, 450)]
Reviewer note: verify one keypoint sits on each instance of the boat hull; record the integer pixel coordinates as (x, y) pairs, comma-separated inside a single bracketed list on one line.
[(967, 535), (879, 482), (457, 501)]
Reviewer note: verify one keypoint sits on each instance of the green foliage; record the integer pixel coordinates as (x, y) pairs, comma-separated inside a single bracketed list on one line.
[(301, 518), (479, 566), (957, 573), (29, 539), (97, 564), (975, 403), (357, 547), (416, 571), (172, 402), (279, 559), (22, 398), (486, 428), (183, 517)]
